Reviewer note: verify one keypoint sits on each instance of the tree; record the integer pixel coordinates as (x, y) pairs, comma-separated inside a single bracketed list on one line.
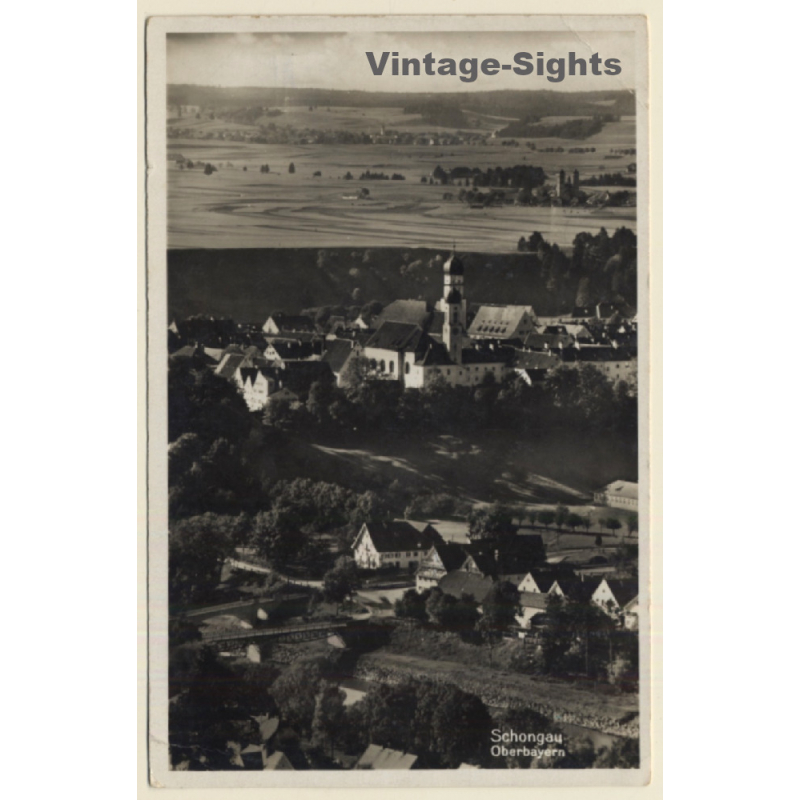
[(573, 521), (547, 518), (198, 547), (295, 692), (328, 719), (276, 536), (562, 515), (613, 524), (632, 523), (411, 606), (452, 726), (500, 607), (291, 168), (340, 582), (490, 522), (390, 712), (209, 169)]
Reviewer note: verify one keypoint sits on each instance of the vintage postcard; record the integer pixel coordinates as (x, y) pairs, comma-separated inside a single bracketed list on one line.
[(398, 387)]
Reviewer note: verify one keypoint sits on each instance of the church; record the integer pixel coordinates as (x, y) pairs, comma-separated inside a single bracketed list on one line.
[(421, 349)]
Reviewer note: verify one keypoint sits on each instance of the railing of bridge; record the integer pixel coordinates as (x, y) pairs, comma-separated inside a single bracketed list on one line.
[(266, 633)]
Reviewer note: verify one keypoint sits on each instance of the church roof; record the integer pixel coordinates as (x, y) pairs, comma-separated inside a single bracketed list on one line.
[(453, 296), (398, 336)]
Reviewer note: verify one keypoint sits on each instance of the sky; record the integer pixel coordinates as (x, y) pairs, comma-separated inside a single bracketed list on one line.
[(338, 60)]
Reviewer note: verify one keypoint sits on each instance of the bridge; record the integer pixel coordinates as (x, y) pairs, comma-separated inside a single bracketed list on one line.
[(244, 609), (286, 633)]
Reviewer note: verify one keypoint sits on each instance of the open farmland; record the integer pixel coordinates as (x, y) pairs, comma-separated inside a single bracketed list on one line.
[(235, 207)]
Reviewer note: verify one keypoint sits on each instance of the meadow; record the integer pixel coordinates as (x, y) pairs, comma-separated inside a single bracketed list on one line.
[(240, 207)]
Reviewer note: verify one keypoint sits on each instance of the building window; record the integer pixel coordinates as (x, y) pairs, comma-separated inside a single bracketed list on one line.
[(408, 367), (383, 366), (391, 366)]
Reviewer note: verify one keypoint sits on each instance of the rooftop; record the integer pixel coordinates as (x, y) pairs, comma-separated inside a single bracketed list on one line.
[(377, 757)]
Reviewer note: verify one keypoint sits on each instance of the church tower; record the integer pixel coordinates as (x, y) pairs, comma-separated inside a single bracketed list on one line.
[(454, 306)]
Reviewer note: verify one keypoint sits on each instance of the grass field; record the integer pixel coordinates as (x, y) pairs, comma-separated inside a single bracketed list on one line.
[(495, 466), (238, 208)]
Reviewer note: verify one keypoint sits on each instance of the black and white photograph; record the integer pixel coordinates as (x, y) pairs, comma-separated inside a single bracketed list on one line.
[(398, 353)]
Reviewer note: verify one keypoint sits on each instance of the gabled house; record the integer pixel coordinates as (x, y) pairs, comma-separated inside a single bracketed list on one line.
[(573, 589), (613, 596), (442, 558), (257, 384), (536, 582), (282, 323), (395, 545)]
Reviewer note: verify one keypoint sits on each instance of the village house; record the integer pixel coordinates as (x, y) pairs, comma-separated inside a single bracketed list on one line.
[(377, 757), (502, 322), (531, 605), (284, 323), (337, 355), (281, 351), (257, 384), (616, 363), (396, 545), (534, 367), (442, 558), (577, 590), (619, 494), (536, 582), (619, 599)]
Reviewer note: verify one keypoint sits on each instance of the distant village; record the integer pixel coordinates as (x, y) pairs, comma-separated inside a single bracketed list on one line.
[(455, 342)]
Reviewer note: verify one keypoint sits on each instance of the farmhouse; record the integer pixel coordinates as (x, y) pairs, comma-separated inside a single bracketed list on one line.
[(618, 598), (442, 558), (619, 494), (396, 544)]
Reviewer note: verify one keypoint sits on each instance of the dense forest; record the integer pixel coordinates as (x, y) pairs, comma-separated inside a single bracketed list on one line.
[(247, 285)]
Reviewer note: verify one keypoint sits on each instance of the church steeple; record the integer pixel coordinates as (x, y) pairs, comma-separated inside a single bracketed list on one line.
[(454, 306)]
